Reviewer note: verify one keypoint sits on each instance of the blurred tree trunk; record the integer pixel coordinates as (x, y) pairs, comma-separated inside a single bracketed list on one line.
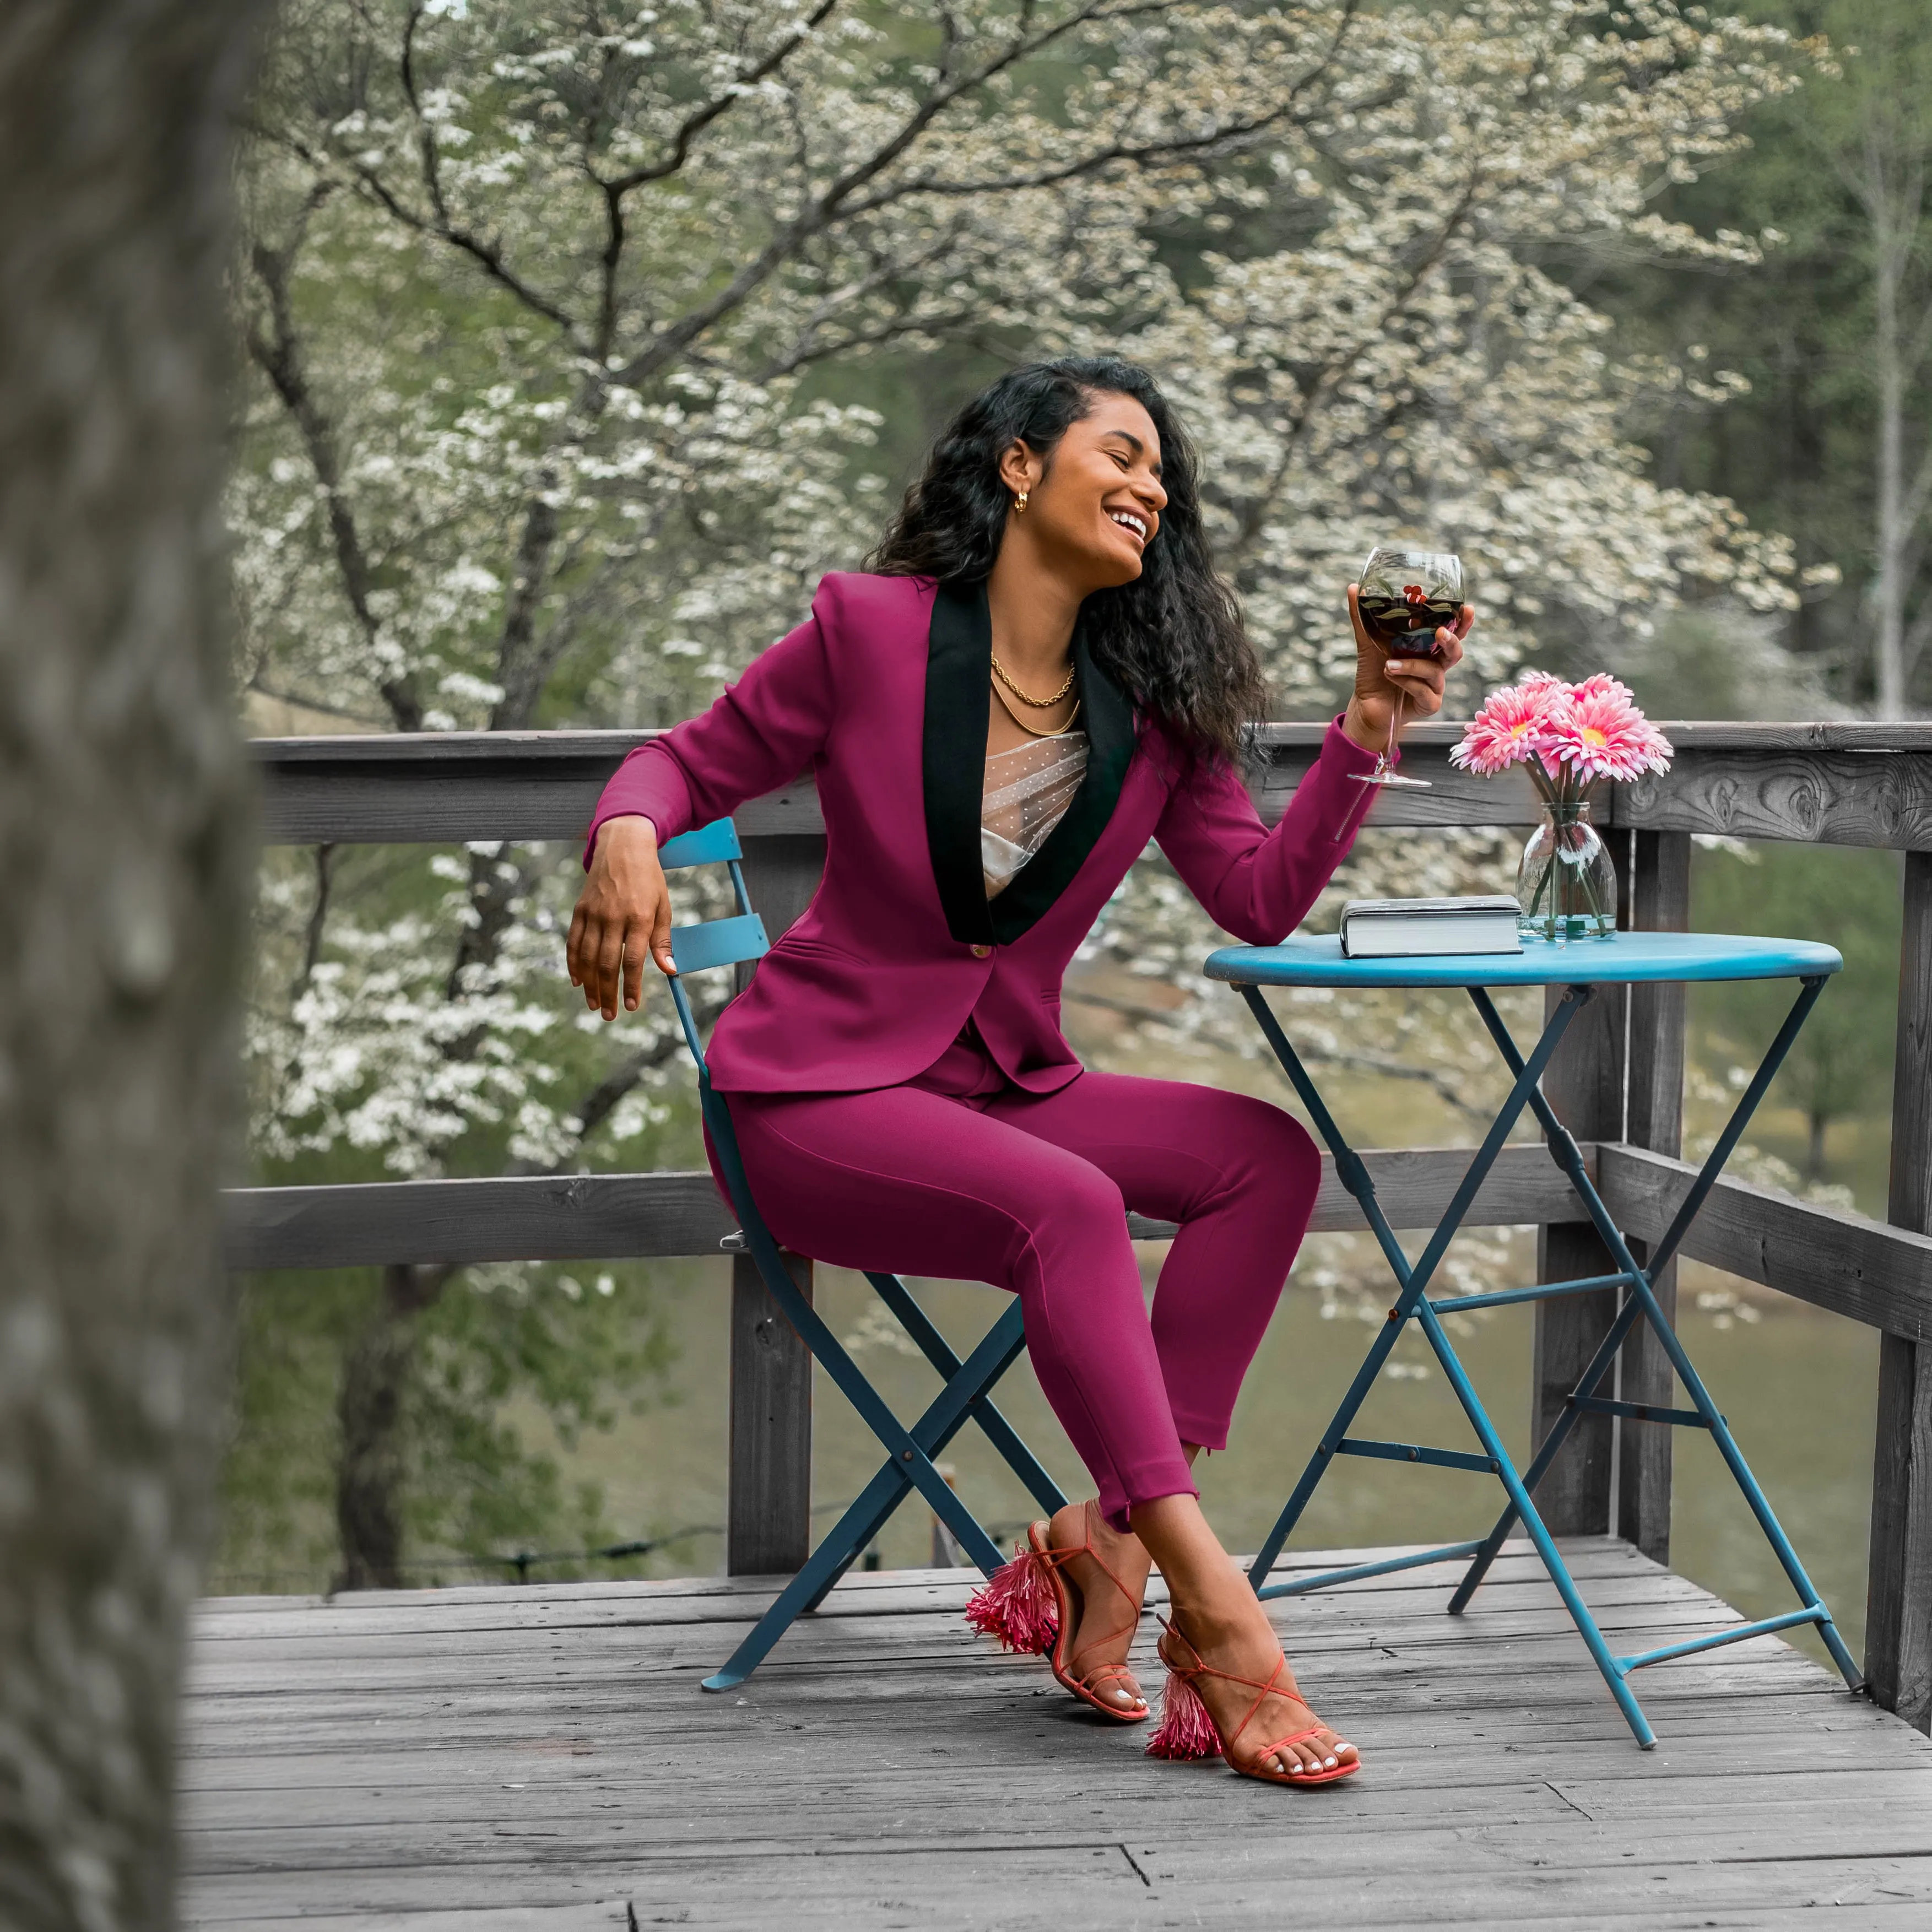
[(1882, 156), (1889, 181), (124, 855), (369, 1481)]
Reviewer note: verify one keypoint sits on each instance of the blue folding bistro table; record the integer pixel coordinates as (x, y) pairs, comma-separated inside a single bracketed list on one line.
[(1579, 966)]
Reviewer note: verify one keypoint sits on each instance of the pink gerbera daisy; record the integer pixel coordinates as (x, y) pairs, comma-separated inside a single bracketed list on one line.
[(1604, 685), (1599, 733), (1510, 726)]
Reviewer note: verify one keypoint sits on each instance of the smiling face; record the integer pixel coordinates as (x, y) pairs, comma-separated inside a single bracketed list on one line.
[(1093, 509)]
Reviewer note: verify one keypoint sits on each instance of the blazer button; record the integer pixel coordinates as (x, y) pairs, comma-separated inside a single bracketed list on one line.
[(982, 953)]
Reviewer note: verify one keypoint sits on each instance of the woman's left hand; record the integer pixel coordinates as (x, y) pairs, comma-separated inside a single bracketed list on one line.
[(1381, 674)]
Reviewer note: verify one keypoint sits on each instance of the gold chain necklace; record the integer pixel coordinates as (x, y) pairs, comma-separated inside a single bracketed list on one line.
[(1027, 728), (1038, 703)]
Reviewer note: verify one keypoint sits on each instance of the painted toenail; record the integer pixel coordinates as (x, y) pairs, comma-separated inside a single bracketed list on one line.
[(1327, 1763)]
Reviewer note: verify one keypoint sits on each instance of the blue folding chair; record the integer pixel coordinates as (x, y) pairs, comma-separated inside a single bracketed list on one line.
[(909, 1451)]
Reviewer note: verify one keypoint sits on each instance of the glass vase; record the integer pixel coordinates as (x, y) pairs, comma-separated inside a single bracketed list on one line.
[(1566, 885)]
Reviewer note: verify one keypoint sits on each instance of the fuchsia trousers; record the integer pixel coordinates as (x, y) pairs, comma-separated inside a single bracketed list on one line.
[(961, 1174)]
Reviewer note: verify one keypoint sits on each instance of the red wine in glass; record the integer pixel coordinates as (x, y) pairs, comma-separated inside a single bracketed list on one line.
[(1407, 623), (1404, 597)]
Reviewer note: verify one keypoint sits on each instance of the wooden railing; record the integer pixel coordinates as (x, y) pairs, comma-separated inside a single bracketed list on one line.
[(1618, 1082)]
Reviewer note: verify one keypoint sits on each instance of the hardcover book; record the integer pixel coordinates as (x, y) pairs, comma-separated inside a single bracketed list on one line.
[(1409, 928)]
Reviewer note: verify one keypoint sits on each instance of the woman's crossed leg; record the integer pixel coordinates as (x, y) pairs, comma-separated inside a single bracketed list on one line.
[(1029, 1192)]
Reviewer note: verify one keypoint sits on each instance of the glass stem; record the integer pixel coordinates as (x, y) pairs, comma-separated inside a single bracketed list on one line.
[(1391, 757)]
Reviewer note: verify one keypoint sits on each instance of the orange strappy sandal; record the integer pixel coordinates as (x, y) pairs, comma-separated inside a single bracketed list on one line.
[(1188, 1729), (1030, 1605)]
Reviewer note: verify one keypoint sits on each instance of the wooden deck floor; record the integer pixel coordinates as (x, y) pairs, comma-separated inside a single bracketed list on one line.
[(540, 1760)]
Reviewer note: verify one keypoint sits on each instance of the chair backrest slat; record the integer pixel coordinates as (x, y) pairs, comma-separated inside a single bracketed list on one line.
[(710, 844), (719, 942)]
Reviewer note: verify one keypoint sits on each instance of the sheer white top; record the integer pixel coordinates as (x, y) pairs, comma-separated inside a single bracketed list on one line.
[(1027, 791)]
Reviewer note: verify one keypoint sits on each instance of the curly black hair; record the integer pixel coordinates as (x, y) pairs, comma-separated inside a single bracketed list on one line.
[(1173, 638)]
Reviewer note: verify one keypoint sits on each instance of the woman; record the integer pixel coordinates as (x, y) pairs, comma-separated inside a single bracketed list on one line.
[(895, 1072)]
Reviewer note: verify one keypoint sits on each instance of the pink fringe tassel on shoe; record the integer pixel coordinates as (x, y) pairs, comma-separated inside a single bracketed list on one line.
[(1017, 1605), (1186, 1729)]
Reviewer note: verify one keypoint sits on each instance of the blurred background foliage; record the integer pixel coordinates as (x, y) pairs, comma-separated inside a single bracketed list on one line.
[(1630, 303)]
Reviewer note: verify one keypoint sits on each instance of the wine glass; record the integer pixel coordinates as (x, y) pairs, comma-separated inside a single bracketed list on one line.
[(1404, 596)]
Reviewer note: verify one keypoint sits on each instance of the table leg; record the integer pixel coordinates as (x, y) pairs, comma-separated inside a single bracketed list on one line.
[(1521, 1505), (1640, 1300)]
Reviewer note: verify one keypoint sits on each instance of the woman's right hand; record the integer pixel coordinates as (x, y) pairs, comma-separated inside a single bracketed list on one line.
[(623, 912)]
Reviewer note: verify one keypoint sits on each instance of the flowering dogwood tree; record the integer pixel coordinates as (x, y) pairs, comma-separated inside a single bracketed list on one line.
[(569, 324)]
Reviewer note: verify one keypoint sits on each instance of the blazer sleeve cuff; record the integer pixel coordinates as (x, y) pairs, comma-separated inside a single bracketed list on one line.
[(649, 784), (1338, 800), (1346, 754), (1328, 804)]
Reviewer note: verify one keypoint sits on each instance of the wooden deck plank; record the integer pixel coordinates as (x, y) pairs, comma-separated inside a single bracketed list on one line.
[(1100, 1883), (1419, 1593), (540, 1760), (1410, 1794), (282, 1664), (1771, 1740), (597, 1679), (643, 1602)]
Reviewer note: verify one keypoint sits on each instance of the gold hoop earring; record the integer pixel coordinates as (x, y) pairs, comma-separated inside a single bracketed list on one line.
[(1020, 503)]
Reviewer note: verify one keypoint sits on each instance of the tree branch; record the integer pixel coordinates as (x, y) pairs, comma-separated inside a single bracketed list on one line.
[(695, 123), (1333, 373), (318, 917), (883, 271), (495, 887), (517, 667), (601, 1102), (278, 355), (488, 256), (1204, 147), (822, 211)]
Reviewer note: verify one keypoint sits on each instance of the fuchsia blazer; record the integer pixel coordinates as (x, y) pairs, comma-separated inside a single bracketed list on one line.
[(882, 693)]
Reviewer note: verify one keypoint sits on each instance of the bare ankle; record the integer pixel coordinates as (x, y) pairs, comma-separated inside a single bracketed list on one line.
[(1203, 1621), (1216, 1619), (1084, 1523)]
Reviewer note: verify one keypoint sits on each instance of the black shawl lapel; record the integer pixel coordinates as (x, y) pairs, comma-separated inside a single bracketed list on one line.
[(958, 667)]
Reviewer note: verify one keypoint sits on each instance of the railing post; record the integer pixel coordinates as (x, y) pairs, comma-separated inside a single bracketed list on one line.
[(1898, 1606), (768, 1518), (1659, 901), (1586, 1086)]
